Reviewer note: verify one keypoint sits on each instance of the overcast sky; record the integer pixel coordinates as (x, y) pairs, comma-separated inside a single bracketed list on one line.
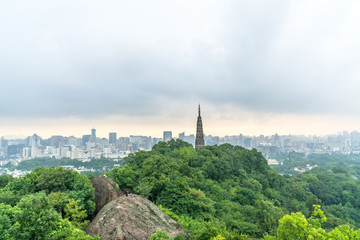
[(141, 67)]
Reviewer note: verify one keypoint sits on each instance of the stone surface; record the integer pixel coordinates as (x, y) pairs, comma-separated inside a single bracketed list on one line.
[(106, 190), (131, 218)]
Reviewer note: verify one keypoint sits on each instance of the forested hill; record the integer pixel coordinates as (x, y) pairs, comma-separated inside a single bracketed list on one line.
[(231, 192), (220, 192)]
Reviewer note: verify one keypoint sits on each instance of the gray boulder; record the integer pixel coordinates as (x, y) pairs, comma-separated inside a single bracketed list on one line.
[(106, 190), (131, 218)]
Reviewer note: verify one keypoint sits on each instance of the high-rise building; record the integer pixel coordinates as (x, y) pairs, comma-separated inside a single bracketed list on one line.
[(112, 138), (190, 139), (124, 143), (34, 140), (27, 153), (167, 136), (93, 134), (199, 140), (85, 139), (355, 138), (57, 141)]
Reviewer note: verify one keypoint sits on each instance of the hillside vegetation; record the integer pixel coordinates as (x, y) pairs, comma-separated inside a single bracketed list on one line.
[(48, 203), (231, 192), (220, 192)]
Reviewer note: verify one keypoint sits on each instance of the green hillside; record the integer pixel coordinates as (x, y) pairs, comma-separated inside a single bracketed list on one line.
[(220, 192), (231, 191)]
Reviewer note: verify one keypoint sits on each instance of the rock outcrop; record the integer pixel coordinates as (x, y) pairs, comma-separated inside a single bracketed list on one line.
[(106, 190), (131, 218)]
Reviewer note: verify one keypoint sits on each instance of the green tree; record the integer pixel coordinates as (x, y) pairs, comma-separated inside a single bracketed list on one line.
[(160, 235), (59, 201), (344, 232), (36, 218), (4, 180), (50, 180), (7, 219), (65, 230), (75, 214), (296, 226)]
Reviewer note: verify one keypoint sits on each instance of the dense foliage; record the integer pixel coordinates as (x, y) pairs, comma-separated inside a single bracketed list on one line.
[(228, 192), (48, 203), (220, 192), (296, 226), (340, 162)]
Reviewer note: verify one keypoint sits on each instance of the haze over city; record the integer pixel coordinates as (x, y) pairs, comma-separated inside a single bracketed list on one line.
[(140, 67)]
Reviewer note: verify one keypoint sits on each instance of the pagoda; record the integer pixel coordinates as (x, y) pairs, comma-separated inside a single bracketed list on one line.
[(199, 140)]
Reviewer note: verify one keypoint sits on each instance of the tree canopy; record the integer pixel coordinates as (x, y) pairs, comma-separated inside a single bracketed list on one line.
[(219, 192), (229, 191), (48, 203)]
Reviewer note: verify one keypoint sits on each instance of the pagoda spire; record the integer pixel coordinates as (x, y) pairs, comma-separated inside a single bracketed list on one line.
[(199, 140)]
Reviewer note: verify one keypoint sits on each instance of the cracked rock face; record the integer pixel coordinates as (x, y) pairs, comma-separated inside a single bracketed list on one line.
[(131, 217), (106, 190)]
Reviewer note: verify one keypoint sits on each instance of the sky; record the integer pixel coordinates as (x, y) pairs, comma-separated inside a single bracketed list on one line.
[(142, 67)]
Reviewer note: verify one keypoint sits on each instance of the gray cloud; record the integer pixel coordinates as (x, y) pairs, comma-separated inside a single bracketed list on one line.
[(87, 58)]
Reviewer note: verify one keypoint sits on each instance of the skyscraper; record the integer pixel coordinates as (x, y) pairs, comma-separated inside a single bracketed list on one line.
[(112, 137), (93, 135), (167, 136), (199, 140), (85, 139)]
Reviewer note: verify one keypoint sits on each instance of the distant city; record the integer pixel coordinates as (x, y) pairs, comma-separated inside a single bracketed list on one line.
[(91, 147)]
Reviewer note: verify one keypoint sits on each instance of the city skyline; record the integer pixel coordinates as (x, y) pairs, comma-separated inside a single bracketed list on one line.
[(211, 128), (219, 128), (173, 134), (91, 146), (140, 67)]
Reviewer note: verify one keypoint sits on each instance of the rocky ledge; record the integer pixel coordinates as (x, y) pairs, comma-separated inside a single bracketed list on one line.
[(131, 218), (106, 190)]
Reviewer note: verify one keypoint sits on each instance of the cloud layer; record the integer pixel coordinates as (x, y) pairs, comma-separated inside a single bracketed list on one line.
[(141, 58)]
